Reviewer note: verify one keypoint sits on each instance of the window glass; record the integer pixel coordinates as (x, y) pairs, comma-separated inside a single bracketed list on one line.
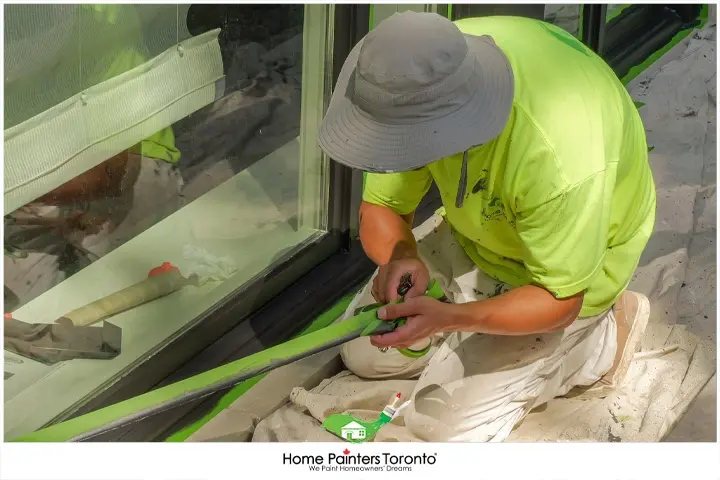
[(140, 138), (460, 11), (565, 16), (381, 11)]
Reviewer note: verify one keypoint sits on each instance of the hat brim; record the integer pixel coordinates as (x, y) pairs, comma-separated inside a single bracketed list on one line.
[(350, 136)]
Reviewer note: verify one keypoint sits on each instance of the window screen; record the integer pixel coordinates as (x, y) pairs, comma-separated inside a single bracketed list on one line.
[(85, 82)]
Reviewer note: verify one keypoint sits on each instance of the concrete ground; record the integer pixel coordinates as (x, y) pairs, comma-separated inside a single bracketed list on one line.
[(700, 421), (680, 115)]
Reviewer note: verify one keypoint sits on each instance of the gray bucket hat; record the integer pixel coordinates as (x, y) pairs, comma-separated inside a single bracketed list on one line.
[(413, 91)]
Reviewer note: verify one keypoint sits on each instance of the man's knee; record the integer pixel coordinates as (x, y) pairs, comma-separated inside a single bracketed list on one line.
[(367, 361), (430, 415), (452, 413)]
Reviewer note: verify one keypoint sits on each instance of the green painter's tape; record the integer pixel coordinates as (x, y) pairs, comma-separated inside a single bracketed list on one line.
[(365, 323), (236, 392), (77, 426)]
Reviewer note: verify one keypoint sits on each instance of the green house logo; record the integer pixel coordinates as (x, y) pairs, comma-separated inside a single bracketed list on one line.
[(353, 432)]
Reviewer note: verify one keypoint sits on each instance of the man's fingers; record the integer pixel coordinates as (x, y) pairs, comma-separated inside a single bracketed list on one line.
[(392, 339), (391, 286), (397, 310)]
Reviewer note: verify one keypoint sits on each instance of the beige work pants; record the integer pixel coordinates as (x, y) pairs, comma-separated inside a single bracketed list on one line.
[(474, 387)]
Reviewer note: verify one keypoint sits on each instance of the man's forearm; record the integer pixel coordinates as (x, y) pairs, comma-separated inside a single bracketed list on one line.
[(385, 235), (525, 310)]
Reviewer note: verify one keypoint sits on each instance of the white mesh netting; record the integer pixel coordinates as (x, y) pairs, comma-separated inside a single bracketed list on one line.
[(84, 82), (53, 52)]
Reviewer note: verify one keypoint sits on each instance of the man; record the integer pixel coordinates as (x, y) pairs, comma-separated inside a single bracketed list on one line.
[(540, 158)]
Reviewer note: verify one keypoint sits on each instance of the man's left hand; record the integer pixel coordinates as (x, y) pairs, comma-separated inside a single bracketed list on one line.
[(426, 316)]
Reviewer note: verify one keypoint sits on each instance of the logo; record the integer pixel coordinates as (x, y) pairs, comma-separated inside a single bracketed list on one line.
[(346, 461), (353, 431)]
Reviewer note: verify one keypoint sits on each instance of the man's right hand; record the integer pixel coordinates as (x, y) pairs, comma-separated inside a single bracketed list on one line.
[(386, 282)]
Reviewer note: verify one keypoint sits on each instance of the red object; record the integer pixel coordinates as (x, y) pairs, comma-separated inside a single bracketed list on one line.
[(398, 395), (165, 267), (8, 316)]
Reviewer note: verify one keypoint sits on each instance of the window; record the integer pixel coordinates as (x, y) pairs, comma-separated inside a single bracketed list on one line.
[(569, 16), (143, 134), (483, 10), (628, 36), (564, 15), (613, 10), (381, 11)]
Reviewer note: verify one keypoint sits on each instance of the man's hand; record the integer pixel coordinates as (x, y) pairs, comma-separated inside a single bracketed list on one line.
[(386, 282), (426, 316), (525, 310)]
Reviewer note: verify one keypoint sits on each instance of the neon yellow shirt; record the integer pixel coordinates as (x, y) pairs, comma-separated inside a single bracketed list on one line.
[(564, 197)]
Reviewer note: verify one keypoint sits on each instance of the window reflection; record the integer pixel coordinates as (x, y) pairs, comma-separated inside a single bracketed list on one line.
[(219, 194), (565, 16)]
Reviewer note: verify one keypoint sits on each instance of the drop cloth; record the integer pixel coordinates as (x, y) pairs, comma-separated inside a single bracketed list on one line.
[(677, 272)]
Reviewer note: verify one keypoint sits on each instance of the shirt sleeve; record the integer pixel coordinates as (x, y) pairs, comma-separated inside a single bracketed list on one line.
[(565, 238), (402, 192)]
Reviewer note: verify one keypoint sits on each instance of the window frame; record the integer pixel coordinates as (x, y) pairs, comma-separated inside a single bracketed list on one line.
[(626, 40), (638, 31)]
